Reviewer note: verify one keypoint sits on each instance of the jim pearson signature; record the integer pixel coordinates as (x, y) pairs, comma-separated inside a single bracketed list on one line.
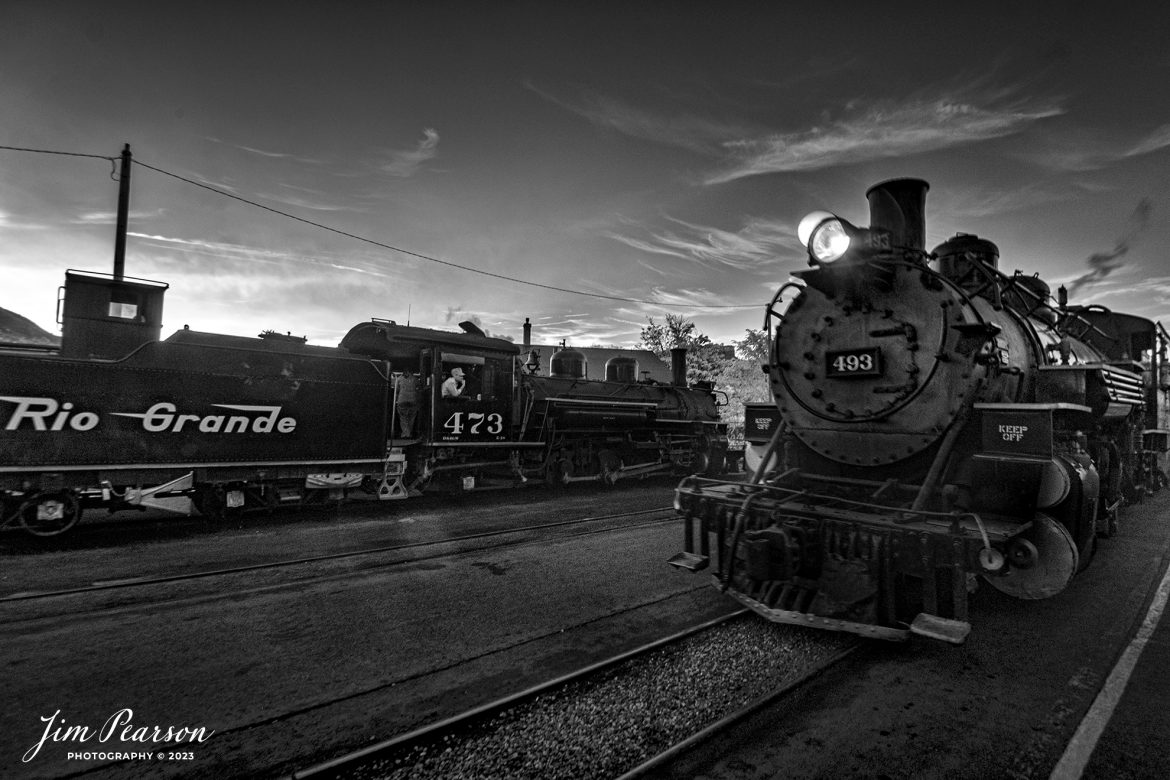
[(119, 726)]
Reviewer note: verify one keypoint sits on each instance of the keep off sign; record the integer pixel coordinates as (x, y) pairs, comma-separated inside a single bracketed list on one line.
[(1018, 432)]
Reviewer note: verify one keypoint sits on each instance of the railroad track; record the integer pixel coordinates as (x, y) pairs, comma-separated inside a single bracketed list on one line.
[(141, 582), (243, 733), (622, 717)]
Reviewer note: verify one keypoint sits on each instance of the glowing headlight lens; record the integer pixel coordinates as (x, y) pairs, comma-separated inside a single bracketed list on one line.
[(829, 241), (825, 236)]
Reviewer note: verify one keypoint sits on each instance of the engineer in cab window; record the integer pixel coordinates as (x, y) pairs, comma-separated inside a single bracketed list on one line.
[(453, 385)]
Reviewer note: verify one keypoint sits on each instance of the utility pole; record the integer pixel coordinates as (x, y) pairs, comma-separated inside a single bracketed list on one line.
[(123, 215)]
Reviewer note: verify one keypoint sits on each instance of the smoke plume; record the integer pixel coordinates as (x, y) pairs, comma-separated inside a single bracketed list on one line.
[(1104, 263)]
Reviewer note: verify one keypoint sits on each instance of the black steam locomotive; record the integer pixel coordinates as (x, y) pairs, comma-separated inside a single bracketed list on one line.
[(934, 420), (118, 419)]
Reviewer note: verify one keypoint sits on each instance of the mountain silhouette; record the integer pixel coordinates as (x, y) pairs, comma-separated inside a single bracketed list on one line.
[(15, 329)]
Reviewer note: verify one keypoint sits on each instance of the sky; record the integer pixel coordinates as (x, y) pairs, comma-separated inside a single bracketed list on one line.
[(585, 165)]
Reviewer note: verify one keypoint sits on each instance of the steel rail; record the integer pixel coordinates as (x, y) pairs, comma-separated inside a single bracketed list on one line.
[(285, 716), (701, 736), (432, 731), (136, 582)]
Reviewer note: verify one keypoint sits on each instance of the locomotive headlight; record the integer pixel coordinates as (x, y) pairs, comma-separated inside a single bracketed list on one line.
[(826, 235)]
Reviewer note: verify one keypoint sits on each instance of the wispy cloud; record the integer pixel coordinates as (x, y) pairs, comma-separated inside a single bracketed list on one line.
[(879, 131), (9, 222), (242, 256), (1159, 138), (265, 152), (303, 203), (687, 131), (756, 244), (696, 300), (691, 300), (110, 217), (406, 162), (1087, 150), (980, 203), (864, 131)]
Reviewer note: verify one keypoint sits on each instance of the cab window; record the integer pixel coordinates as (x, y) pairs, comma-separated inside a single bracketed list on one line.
[(461, 378)]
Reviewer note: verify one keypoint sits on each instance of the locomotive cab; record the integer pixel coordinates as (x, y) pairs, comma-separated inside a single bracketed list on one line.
[(453, 397), (470, 395)]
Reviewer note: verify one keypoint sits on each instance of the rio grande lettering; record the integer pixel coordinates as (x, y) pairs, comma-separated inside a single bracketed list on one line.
[(43, 415), (47, 414)]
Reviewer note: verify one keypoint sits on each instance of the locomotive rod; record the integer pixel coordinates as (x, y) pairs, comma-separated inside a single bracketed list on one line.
[(947, 445), (123, 215)]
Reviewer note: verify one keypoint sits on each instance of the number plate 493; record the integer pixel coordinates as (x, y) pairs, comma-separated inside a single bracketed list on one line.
[(866, 361)]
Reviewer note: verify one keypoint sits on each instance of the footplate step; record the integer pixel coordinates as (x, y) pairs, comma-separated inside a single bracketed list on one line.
[(690, 561), (945, 629)]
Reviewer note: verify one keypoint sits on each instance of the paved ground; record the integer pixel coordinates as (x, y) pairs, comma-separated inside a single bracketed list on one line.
[(400, 645), (1004, 705)]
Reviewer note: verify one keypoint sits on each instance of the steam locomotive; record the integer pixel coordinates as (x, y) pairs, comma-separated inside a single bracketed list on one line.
[(935, 421), (118, 419)]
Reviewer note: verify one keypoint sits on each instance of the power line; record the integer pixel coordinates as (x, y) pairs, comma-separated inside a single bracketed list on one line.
[(370, 241), (418, 255), (65, 154), (113, 161)]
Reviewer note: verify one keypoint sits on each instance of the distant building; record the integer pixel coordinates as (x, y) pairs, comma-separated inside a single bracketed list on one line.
[(649, 366)]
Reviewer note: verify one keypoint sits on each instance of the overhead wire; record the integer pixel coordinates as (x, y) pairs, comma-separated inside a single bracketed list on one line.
[(113, 161), (374, 242), (64, 154)]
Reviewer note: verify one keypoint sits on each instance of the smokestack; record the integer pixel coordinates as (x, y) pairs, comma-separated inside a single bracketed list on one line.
[(899, 206), (527, 332), (678, 366)]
